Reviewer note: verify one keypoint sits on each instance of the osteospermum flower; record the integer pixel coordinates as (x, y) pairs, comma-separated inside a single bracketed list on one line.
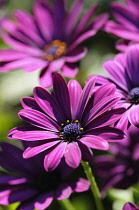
[(119, 169), (49, 39), (126, 24), (68, 122), (27, 182), (130, 206), (123, 72)]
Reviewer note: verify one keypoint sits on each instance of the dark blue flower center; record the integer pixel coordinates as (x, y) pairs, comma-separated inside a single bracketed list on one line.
[(54, 50), (134, 95), (71, 131)]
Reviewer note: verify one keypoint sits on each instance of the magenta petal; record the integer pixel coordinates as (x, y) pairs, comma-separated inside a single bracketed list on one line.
[(30, 103), (117, 74), (84, 21), (32, 151), (130, 206), (73, 155), (4, 197), (44, 19), (69, 70), (86, 94), (46, 78), (53, 159), (43, 201), (75, 91), (38, 119), (63, 192), (61, 94), (82, 185), (10, 55), (133, 65), (76, 55), (72, 17), (11, 179), (56, 65), (95, 142), (34, 135), (134, 115), (48, 104)]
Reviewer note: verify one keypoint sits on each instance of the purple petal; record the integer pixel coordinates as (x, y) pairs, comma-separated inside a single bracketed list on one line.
[(44, 19), (123, 122), (121, 31), (73, 155), (10, 55), (34, 135), (59, 17), (32, 151), (30, 103), (48, 104), (117, 74), (53, 159), (46, 78), (90, 31), (107, 118), (21, 47), (69, 70), (130, 206), (55, 65), (81, 185), (101, 107), (133, 65), (4, 197), (38, 119), (108, 133), (86, 94), (134, 115), (87, 153), (84, 21), (43, 201), (61, 94), (72, 17), (75, 91), (95, 142), (76, 55), (125, 16), (8, 179), (64, 191)]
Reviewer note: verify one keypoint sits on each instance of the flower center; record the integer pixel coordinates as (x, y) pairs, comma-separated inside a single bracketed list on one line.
[(54, 50), (134, 95), (71, 131)]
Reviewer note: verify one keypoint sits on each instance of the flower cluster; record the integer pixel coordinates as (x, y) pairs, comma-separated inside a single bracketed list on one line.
[(68, 124)]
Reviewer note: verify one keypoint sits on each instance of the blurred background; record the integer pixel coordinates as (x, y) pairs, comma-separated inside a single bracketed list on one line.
[(16, 84)]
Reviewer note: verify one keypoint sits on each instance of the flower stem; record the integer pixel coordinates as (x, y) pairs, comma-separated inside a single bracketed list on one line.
[(94, 187), (66, 204)]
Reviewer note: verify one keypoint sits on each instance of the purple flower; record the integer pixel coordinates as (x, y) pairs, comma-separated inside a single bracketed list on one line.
[(126, 25), (119, 169), (124, 71), (26, 181), (130, 206), (69, 121), (49, 39)]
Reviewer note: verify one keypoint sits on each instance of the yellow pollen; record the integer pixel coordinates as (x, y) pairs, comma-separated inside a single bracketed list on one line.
[(54, 50), (76, 121), (62, 124), (67, 121), (81, 129)]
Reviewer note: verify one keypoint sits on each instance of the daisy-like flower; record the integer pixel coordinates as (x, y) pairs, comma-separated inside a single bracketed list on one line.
[(49, 39), (119, 169), (130, 206), (27, 182), (123, 72), (126, 24), (69, 121)]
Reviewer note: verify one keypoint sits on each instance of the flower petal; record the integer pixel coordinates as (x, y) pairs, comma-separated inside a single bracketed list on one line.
[(75, 91), (69, 70), (53, 159), (43, 201), (30, 103), (95, 142), (48, 104), (76, 55), (32, 151), (38, 119), (61, 94), (64, 191), (134, 115), (81, 185), (73, 155)]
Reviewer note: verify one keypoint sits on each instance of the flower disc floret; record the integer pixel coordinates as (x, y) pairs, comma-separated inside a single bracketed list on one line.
[(134, 95), (69, 122)]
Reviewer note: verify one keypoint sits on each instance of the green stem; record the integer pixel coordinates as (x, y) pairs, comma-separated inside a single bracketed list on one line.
[(66, 204), (94, 187)]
